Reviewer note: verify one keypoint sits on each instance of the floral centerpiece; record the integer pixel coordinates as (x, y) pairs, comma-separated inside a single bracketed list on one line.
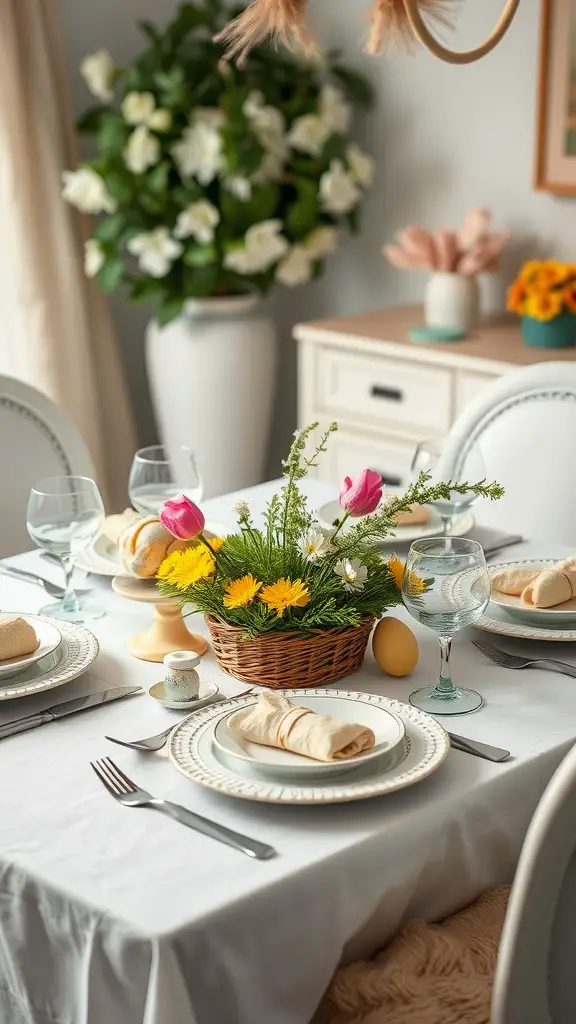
[(211, 180), (291, 603), (544, 295)]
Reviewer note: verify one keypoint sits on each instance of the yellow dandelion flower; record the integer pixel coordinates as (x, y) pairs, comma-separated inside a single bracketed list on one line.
[(544, 305), (184, 568), (285, 594), (239, 593), (397, 569), (216, 542), (414, 584)]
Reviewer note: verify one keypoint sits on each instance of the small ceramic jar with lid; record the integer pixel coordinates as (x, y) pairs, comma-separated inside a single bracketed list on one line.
[(181, 681)]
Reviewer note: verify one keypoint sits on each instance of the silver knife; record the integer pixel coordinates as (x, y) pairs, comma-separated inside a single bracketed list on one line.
[(68, 707), (484, 750)]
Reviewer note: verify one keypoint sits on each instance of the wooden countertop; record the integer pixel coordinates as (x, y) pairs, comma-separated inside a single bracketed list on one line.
[(497, 340)]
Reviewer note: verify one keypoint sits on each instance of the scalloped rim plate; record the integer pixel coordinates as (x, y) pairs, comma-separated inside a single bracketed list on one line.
[(77, 651), (426, 744), (496, 619)]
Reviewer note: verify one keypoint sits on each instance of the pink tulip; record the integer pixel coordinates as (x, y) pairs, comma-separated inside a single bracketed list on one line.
[(181, 517), (361, 495)]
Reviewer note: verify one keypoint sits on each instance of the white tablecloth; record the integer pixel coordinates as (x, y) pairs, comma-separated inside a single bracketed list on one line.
[(116, 916)]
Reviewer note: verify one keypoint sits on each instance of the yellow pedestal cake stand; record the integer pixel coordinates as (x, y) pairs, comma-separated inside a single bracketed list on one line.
[(168, 631)]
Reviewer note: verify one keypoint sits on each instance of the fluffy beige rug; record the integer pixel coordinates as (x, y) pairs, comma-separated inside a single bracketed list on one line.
[(428, 974)]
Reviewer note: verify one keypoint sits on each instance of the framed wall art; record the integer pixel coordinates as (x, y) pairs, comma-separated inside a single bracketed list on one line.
[(556, 136)]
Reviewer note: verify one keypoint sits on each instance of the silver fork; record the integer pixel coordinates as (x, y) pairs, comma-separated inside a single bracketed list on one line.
[(52, 589), (506, 660), (156, 742), (130, 795)]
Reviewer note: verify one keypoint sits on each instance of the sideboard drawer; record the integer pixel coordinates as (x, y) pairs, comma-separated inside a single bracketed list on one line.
[(384, 391), (350, 452)]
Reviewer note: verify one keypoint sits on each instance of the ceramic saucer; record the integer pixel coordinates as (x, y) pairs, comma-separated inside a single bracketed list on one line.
[(206, 693)]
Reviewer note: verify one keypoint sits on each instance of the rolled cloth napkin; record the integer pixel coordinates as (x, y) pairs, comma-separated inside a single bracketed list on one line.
[(552, 586), (17, 638), (275, 721)]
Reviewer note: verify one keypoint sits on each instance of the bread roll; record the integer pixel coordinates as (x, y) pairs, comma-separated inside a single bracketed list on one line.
[(17, 638), (144, 545), (416, 516)]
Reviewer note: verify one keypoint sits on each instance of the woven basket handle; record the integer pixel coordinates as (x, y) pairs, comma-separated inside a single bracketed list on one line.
[(423, 33)]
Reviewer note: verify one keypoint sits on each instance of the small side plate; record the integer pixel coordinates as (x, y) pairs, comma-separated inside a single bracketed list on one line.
[(388, 730), (206, 693), (561, 615), (49, 636)]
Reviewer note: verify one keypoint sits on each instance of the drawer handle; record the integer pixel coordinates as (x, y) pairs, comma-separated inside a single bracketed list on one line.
[(388, 480), (389, 394)]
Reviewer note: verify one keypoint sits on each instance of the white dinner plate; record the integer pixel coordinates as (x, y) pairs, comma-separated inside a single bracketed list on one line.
[(462, 523), (388, 730), (103, 559), (561, 615), (72, 657), (425, 745), (49, 636)]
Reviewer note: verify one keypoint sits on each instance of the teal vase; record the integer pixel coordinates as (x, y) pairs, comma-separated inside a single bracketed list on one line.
[(557, 333)]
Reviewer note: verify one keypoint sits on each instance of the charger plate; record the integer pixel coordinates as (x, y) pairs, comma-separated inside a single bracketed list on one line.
[(72, 657), (425, 745)]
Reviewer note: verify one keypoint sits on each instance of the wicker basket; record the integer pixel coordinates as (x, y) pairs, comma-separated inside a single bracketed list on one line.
[(285, 660)]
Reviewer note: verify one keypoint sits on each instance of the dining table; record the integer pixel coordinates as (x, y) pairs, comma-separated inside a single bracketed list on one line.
[(111, 915)]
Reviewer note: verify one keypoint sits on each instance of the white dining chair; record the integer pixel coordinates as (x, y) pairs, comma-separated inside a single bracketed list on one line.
[(535, 979), (525, 427), (36, 440)]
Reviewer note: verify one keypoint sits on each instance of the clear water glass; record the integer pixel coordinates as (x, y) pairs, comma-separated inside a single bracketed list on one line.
[(457, 592), (160, 472), (65, 515), (433, 458)]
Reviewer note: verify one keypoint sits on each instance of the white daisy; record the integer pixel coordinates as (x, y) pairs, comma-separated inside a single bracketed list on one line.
[(313, 544), (354, 574)]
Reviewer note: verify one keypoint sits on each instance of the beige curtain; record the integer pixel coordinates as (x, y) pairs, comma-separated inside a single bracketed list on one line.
[(55, 328)]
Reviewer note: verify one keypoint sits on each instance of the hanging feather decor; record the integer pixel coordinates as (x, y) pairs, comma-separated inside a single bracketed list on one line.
[(390, 28), (394, 24)]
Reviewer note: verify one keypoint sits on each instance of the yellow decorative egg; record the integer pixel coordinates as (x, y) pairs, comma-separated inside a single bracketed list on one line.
[(395, 647)]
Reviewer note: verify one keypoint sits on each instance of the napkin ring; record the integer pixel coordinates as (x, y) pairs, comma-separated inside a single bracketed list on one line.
[(287, 723)]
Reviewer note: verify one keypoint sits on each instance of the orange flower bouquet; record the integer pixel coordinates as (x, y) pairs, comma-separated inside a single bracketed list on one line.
[(544, 295)]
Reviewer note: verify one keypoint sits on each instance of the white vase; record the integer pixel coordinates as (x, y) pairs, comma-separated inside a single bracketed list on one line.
[(451, 300), (211, 375)]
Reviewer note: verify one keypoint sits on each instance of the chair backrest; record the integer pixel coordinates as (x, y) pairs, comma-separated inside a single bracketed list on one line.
[(535, 979), (525, 427), (36, 440)]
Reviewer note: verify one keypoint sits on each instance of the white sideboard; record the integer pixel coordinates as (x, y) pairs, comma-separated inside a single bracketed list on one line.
[(388, 393)]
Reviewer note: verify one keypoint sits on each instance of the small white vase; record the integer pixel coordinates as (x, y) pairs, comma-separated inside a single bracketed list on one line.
[(211, 375), (451, 300)]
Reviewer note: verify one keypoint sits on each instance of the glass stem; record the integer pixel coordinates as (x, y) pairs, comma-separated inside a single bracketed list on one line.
[(69, 601), (445, 686), (446, 530)]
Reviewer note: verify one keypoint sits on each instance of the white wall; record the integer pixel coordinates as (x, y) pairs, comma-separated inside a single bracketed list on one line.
[(445, 138)]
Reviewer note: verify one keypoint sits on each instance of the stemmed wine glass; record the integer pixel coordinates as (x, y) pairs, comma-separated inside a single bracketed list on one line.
[(65, 515), (446, 590), (159, 472), (434, 458)]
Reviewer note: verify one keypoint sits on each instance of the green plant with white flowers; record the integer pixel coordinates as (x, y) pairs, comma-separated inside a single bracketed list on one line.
[(214, 180)]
